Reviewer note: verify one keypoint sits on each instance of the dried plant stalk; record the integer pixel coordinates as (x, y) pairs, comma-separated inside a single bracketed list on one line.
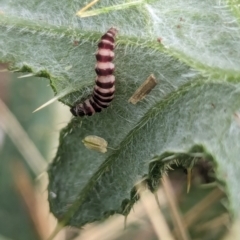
[(143, 90)]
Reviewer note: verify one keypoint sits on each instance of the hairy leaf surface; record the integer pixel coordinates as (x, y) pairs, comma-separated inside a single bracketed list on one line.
[(192, 48)]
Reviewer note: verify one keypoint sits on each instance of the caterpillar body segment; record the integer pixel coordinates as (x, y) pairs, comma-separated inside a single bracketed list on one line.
[(104, 89)]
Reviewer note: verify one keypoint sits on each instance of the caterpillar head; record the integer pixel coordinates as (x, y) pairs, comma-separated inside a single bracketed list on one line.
[(77, 111), (113, 30)]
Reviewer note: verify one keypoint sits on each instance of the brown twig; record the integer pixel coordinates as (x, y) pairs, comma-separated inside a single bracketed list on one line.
[(194, 213), (156, 217), (23, 143), (27, 193), (176, 215)]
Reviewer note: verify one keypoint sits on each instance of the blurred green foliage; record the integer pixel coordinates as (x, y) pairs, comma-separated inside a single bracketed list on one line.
[(23, 96)]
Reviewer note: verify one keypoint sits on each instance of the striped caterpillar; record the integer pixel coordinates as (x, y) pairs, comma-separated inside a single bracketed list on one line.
[(104, 89)]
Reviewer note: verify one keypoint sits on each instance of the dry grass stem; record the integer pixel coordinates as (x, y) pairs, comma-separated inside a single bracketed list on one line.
[(23, 143), (222, 220), (194, 213), (27, 193), (86, 7), (234, 231), (156, 217), (176, 215), (145, 88)]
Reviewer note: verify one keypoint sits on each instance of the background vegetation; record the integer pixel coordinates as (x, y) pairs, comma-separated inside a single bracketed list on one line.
[(192, 115)]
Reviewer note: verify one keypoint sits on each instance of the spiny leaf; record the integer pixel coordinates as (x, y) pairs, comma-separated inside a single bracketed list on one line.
[(99, 184), (190, 110)]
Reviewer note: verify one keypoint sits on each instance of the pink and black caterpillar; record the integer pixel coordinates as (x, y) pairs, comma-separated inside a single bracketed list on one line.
[(104, 89)]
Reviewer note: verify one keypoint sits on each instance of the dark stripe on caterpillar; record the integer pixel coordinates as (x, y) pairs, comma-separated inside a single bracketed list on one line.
[(101, 58), (95, 106), (87, 108), (106, 45), (104, 100), (99, 103), (108, 38), (109, 94), (104, 89), (104, 72), (105, 85)]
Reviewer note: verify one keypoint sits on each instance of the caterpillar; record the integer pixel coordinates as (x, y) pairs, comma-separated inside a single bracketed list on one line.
[(104, 89)]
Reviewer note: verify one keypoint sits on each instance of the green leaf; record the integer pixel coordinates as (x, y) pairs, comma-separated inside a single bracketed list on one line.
[(196, 116), (192, 110)]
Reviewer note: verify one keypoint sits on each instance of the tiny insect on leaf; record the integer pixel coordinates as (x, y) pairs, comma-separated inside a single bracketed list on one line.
[(95, 143)]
